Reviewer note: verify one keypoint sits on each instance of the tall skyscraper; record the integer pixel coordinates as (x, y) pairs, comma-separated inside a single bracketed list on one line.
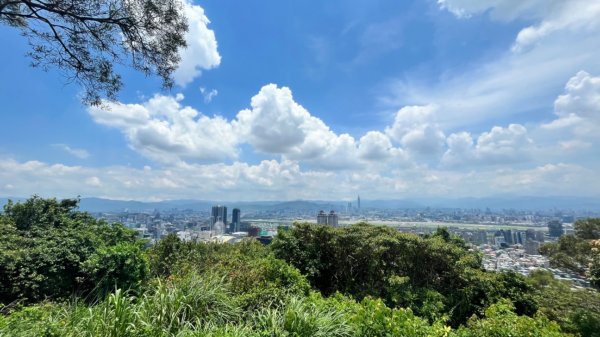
[(358, 202), (555, 229), (235, 219), (322, 218), (530, 234), (218, 213), (330, 219), (532, 247), (508, 236)]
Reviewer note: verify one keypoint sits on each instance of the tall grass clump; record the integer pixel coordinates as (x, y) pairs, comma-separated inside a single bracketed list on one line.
[(304, 317), (188, 301), (168, 308)]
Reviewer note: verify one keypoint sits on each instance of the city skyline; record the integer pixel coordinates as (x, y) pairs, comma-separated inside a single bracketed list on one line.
[(312, 100)]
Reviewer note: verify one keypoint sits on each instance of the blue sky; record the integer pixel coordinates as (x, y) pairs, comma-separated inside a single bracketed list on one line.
[(325, 100)]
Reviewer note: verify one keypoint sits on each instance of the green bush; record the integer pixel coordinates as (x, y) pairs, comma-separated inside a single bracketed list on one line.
[(258, 278), (575, 310), (436, 276), (501, 321), (49, 250)]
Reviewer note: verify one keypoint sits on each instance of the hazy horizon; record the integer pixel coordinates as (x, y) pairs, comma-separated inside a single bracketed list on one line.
[(530, 203)]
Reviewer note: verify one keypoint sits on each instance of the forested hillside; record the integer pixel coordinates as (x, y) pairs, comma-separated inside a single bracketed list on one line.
[(63, 273)]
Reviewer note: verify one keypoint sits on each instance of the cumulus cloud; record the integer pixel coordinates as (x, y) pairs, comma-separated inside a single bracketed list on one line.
[(164, 130), (375, 145), (277, 124), (502, 144), (415, 129), (498, 146), (201, 52), (461, 149), (579, 107)]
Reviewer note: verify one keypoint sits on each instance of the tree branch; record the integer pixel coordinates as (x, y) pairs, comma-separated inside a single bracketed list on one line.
[(80, 65)]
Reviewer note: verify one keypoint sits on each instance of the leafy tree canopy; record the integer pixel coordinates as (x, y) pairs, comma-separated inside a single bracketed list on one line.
[(87, 38), (48, 249), (437, 276), (576, 310)]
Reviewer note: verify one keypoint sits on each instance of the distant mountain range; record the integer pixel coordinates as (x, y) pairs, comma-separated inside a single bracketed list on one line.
[(494, 203)]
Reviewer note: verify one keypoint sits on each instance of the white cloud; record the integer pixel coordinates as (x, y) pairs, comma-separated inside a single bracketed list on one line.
[(79, 153), (501, 9), (415, 129), (498, 146), (269, 179), (461, 149), (579, 106), (572, 15), (93, 181), (285, 180), (164, 130), (201, 52), (277, 124), (208, 94), (375, 145), (554, 179), (504, 144)]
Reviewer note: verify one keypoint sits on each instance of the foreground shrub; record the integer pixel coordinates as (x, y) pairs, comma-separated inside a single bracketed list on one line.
[(258, 278), (180, 306), (49, 250), (501, 321)]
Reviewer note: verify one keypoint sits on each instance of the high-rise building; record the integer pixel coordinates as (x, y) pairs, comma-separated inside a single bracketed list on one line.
[(235, 219), (218, 213), (539, 236), (322, 218), (532, 247), (482, 237), (508, 237), (520, 238), (358, 203), (332, 219), (530, 234), (555, 229)]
